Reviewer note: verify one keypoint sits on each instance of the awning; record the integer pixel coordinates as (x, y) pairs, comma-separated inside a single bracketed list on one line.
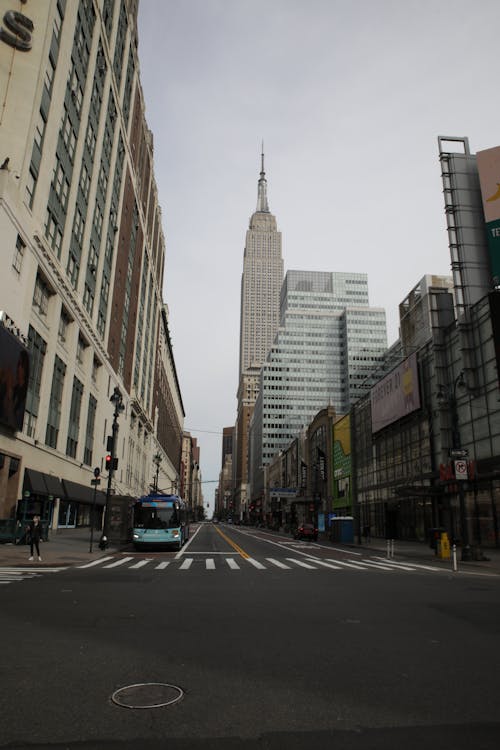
[(82, 494), (54, 486), (33, 481)]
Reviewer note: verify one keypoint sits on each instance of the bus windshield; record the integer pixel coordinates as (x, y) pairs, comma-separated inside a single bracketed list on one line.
[(155, 518)]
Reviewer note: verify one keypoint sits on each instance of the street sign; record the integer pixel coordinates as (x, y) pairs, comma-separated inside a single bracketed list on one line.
[(458, 452), (461, 470), (95, 481)]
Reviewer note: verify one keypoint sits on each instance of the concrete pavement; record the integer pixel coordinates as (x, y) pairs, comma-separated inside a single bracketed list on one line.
[(64, 547)]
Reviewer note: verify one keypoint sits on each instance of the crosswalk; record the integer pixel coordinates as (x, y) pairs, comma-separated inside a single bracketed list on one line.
[(239, 563), (17, 574)]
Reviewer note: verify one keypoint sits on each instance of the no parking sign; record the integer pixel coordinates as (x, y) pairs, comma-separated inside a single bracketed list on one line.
[(461, 470)]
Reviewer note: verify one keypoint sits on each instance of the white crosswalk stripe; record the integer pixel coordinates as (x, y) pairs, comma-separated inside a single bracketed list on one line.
[(301, 563), (119, 562), (278, 563), (240, 563), (17, 575)]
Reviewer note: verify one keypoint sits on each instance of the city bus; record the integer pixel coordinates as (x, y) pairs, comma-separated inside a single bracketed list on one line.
[(159, 520)]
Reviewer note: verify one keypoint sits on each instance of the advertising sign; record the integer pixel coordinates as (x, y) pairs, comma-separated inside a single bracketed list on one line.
[(14, 375), (396, 395), (488, 166)]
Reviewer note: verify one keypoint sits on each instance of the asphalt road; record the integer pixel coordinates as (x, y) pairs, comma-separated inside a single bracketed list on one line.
[(349, 652)]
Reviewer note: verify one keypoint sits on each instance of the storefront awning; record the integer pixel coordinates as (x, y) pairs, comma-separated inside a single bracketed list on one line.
[(82, 494), (54, 486), (33, 482)]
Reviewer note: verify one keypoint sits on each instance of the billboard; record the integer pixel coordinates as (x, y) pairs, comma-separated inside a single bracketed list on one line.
[(396, 395), (488, 167), (342, 462), (14, 374)]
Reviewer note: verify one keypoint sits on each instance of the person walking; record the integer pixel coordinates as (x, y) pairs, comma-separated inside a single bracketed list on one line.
[(35, 534)]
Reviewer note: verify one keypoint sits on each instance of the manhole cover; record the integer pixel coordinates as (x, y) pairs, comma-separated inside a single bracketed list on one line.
[(147, 695)]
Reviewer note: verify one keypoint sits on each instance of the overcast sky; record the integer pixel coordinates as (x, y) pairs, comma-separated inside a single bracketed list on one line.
[(349, 97)]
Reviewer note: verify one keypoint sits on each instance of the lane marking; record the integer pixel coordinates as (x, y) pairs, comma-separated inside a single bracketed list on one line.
[(392, 565), (294, 544), (232, 563), (415, 565), (326, 564), (140, 564), (355, 566), (119, 562), (278, 563), (377, 565), (233, 544), (95, 562), (301, 563), (210, 563), (186, 564), (255, 563), (163, 565), (191, 539)]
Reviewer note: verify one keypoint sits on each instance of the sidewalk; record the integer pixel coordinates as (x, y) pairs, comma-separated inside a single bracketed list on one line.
[(64, 547), (424, 555)]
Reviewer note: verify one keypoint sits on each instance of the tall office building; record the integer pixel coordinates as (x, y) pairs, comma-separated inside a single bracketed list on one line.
[(260, 283), (260, 302), (329, 342), (83, 252)]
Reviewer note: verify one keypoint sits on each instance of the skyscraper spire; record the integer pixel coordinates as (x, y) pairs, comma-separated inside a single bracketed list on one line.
[(262, 205)]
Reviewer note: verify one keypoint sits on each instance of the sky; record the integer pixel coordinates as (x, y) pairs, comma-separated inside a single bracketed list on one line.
[(349, 98)]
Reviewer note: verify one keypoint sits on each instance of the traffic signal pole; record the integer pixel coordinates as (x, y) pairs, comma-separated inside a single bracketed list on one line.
[(117, 401)]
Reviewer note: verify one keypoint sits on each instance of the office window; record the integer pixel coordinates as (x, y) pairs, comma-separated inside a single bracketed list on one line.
[(54, 416), (41, 296), (74, 418), (89, 432), (17, 261), (37, 348)]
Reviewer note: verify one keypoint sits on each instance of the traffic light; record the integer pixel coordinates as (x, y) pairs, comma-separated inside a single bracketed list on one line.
[(109, 461)]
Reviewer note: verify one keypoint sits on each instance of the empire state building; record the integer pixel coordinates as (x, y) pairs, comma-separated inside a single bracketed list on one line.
[(260, 305), (260, 283)]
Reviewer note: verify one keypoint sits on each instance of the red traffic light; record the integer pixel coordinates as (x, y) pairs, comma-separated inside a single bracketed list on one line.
[(108, 461)]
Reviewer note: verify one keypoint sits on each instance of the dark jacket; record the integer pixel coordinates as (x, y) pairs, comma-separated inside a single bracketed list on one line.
[(35, 531)]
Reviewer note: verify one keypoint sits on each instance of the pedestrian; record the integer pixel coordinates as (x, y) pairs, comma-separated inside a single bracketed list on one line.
[(35, 534)]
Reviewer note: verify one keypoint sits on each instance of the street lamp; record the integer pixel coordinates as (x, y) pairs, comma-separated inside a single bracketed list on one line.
[(446, 395), (116, 399), (157, 461)]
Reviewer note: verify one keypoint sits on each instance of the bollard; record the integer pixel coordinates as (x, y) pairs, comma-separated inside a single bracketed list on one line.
[(392, 547), (388, 548), (455, 567)]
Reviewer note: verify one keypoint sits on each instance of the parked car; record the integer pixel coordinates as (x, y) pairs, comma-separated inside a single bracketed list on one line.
[(306, 531)]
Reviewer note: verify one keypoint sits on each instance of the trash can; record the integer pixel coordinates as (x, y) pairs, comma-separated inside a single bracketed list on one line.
[(435, 537)]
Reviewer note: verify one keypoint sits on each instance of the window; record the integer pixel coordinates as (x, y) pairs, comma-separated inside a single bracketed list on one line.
[(54, 416), (41, 296), (37, 348), (74, 418), (30, 188), (89, 432), (80, 350), (64, 322), (17, 261)]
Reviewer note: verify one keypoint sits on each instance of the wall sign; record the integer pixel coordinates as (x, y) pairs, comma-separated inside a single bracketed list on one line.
[(19, 30)]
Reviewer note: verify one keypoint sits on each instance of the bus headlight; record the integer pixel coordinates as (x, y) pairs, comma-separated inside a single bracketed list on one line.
[(135, 536), (175, 533)]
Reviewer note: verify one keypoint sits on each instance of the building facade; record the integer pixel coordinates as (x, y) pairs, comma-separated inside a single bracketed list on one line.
[(259, 317), (328, 344), (84, 254)]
